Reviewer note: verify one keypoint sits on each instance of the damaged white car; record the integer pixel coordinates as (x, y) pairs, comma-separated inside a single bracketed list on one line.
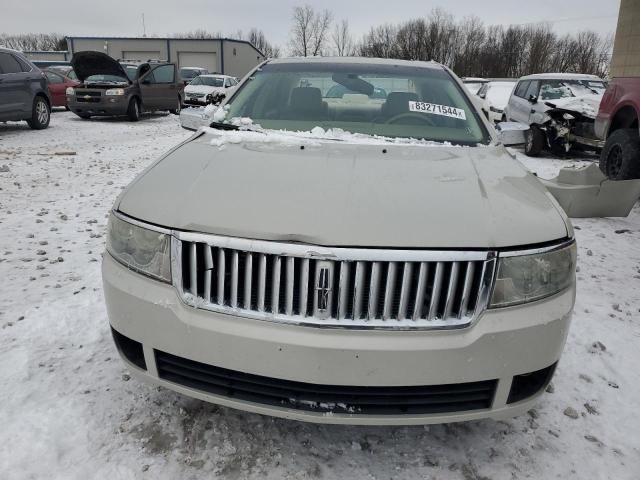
[(343, 259), (560, 110)]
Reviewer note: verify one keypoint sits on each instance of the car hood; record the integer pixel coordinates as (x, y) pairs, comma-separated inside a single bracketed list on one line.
[(203, 89), (87, 63), (586, 105), (339, 194)]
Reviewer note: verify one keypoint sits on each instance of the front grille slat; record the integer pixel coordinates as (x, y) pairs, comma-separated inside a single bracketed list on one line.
[(435, 291), (451, 289), (382, 289), (262, 282), (466, 289), (275, 284), (364, 400), (405, 290)]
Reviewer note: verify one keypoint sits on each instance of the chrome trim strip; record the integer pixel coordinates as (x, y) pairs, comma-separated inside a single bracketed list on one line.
[(535, 251)]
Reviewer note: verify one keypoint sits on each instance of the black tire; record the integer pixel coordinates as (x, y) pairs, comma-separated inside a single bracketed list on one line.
[(133, 111), (40, 114), (178, 109), (620, 158), (534, 141)]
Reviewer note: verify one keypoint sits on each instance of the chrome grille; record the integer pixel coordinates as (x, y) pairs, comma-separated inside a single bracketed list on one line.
[(332, 287)]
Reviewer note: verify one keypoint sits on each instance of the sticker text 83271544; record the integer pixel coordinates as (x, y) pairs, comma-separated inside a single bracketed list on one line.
[(435, 109)]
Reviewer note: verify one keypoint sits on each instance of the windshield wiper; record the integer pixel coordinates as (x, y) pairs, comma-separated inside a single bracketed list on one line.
[(223, 126)]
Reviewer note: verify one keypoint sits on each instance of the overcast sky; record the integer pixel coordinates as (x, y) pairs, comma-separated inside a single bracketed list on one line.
[(124, 17)]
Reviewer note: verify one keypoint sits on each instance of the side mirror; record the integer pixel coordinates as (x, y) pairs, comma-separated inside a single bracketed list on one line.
[(512, 133), (533, 99)]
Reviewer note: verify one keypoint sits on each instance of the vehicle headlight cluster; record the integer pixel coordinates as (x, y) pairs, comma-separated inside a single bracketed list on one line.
[(71, 91), (527, 278), (140, 249), (114, 91)]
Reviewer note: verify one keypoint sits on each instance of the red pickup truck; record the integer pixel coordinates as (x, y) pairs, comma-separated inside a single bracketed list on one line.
[(617, 123)]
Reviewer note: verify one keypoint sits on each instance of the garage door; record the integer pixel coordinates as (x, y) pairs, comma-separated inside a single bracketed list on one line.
[(208, 60), (141, 55)]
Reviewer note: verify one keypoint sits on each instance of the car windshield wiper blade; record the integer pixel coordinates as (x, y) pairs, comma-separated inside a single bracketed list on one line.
[(223, 126)]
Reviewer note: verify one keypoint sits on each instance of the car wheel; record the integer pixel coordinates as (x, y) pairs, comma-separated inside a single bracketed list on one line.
[(40, 114), (620, 158), (176, 111), (133, 111), (534, 142)]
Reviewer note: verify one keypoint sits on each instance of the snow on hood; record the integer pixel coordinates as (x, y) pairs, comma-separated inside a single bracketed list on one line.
[(251, 133), (86, 64), (587, 105), (206, 89)]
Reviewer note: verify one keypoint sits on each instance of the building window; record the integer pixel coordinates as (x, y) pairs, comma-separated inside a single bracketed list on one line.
[(234, 52)]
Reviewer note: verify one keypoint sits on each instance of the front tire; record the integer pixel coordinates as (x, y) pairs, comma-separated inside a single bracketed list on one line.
[(133, 111), (40, 114), (620, 158), (178, 109), (534, 142)]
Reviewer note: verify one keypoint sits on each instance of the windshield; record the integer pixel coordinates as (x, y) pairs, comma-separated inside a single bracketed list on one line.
[(131, 70), (474, 87), (498, 93), (208, 81), (385, 100), (556, 89), (189, 73)]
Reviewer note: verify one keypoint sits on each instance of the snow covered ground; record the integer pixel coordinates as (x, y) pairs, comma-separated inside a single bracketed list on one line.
[(69, 410)]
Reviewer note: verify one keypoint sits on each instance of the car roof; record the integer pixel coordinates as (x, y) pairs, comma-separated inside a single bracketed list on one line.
[(561, 76), (214, 75), (474, 80), (192, 68), (356, 61)]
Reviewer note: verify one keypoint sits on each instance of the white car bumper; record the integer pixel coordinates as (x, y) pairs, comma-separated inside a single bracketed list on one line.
[(406, 377)]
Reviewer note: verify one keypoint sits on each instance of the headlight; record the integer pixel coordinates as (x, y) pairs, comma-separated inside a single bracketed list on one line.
[(495, 110), (527, 278), (71, 91), (114, 91), (140, 249)]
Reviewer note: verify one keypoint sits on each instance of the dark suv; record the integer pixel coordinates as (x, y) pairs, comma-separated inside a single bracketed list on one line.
[(23, 91), (111, 88)]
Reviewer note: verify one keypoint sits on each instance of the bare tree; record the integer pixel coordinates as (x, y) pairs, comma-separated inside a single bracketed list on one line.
[(34, 42), (258, 39), (309, 31), (342, 39), (199, 34)]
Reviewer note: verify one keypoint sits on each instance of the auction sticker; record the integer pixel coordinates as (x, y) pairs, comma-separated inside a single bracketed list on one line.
[(435, 109)]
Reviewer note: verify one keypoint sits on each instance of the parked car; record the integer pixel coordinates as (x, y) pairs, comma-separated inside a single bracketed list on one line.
[(66, 70), (189, 73), (388, 265), (474, 84), (495, 96), (195, 93), (617, 123), (58, 85), (110, 88), (560, 109), (23, 91)]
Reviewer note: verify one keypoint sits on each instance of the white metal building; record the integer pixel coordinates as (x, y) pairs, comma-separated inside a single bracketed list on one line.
[(220, 55)]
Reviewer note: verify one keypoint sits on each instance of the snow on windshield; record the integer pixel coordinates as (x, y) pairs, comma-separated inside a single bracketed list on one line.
[(556, 89), (499, 92)]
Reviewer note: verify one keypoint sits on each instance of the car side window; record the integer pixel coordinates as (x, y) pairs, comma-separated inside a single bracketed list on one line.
[(9, 64), (163, 74), (25, 66), (521, 89), (532, 90), (53, 78)]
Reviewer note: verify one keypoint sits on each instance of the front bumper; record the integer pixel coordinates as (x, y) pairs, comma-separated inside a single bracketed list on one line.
[(503, 344), (106, 106), (200, 100)]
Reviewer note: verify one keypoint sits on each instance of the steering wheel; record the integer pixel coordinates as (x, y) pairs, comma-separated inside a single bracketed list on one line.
[(413, 115)]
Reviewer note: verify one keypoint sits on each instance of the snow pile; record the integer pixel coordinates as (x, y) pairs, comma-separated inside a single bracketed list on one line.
[(71, 410)]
